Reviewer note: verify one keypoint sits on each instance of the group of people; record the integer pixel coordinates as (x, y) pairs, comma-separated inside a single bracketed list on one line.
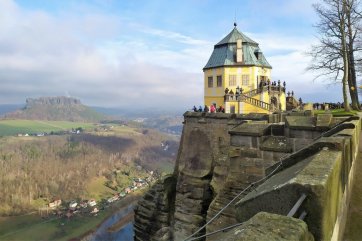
[(324, 106), (268, 82), (211, 109)]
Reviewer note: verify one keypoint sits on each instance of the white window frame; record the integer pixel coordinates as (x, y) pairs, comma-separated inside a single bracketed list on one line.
[(232, 80), (245, 80)]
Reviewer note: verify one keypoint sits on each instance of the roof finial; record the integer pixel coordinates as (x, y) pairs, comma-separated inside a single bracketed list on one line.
[(235, 24)]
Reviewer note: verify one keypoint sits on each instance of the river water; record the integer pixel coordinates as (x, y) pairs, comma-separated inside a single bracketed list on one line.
[(124, 234)]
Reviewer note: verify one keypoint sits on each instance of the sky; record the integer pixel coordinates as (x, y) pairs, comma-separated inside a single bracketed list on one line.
[(146, 54)]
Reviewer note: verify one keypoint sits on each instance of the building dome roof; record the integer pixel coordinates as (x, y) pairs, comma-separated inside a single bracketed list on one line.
[(233, 36), (224, 53)]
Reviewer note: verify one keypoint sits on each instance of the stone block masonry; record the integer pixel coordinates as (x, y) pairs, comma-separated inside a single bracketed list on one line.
[(221, 154)]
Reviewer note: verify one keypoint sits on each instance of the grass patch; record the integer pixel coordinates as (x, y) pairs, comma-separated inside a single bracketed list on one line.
[(117, 131), (33, 228), (14, 127), (165, 168), (97, 190), (337, 112), (10, 224), (40, 202)]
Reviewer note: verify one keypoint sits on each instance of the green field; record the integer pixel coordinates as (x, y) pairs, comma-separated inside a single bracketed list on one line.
[(33, 227), (97, 190), (336, 112), (14, 127)]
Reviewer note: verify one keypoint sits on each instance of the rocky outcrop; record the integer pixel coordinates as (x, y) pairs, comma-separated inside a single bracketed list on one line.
[(202, 158), (219, 156), (262, 227), (153, 213), (204, 179), (56, 108), (59, 100)]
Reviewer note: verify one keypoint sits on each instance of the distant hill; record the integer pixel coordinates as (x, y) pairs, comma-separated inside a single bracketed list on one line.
[(56, 108)]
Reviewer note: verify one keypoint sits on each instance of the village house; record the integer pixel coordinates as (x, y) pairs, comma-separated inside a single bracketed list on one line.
[(55, 203), (83, 204), (112, 199), (116, 196), (73, 205), (92, 203), (127, 190), (95, 210)]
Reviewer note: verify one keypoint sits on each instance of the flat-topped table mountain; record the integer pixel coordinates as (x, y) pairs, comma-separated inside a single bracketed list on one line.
[(56, 108)]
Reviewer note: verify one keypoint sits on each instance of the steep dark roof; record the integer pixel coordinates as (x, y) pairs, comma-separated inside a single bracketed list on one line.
[(225, 51), (235, 35)]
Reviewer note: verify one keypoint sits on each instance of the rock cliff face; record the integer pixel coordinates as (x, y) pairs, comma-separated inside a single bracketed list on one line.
[(209, 172), (56, 108), (203, 145), (154, 212), (222, 154), (60, 100)]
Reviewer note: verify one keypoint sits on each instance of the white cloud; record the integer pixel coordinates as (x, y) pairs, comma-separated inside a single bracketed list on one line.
[(176, 36), (44, 54), (287, 55), (292, 69), (107, 60)]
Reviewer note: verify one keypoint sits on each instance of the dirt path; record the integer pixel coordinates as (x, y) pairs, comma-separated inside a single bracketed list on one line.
[(353, 231)]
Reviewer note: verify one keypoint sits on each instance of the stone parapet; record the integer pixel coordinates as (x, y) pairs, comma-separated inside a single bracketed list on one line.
[(269, 227), (323, 171), (221, 154)]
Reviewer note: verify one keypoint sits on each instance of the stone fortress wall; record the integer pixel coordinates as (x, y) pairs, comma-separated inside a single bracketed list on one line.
[(222, 156)]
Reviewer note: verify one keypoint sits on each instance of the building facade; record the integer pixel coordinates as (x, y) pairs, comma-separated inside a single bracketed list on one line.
[(238, 77)]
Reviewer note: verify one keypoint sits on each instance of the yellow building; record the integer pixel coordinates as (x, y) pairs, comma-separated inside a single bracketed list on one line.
[(238, 77)]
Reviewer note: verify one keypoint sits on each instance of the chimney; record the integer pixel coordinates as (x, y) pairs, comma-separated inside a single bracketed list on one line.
[(239, 50)]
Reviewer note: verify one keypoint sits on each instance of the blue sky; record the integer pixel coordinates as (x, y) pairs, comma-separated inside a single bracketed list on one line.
[(117, 53)]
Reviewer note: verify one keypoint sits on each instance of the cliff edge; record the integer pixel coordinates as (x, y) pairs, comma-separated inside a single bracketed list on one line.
[(256, 161), (56, 108)]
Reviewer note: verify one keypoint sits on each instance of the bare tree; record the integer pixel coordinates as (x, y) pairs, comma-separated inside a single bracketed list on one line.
[(354, 16), (333, 57)]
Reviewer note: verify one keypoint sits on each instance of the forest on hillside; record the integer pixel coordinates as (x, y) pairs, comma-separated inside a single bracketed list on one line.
[(61, 166)]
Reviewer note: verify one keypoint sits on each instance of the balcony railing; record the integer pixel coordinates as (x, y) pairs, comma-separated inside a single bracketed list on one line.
[(259, 90), (255, 102), (247, 99)]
